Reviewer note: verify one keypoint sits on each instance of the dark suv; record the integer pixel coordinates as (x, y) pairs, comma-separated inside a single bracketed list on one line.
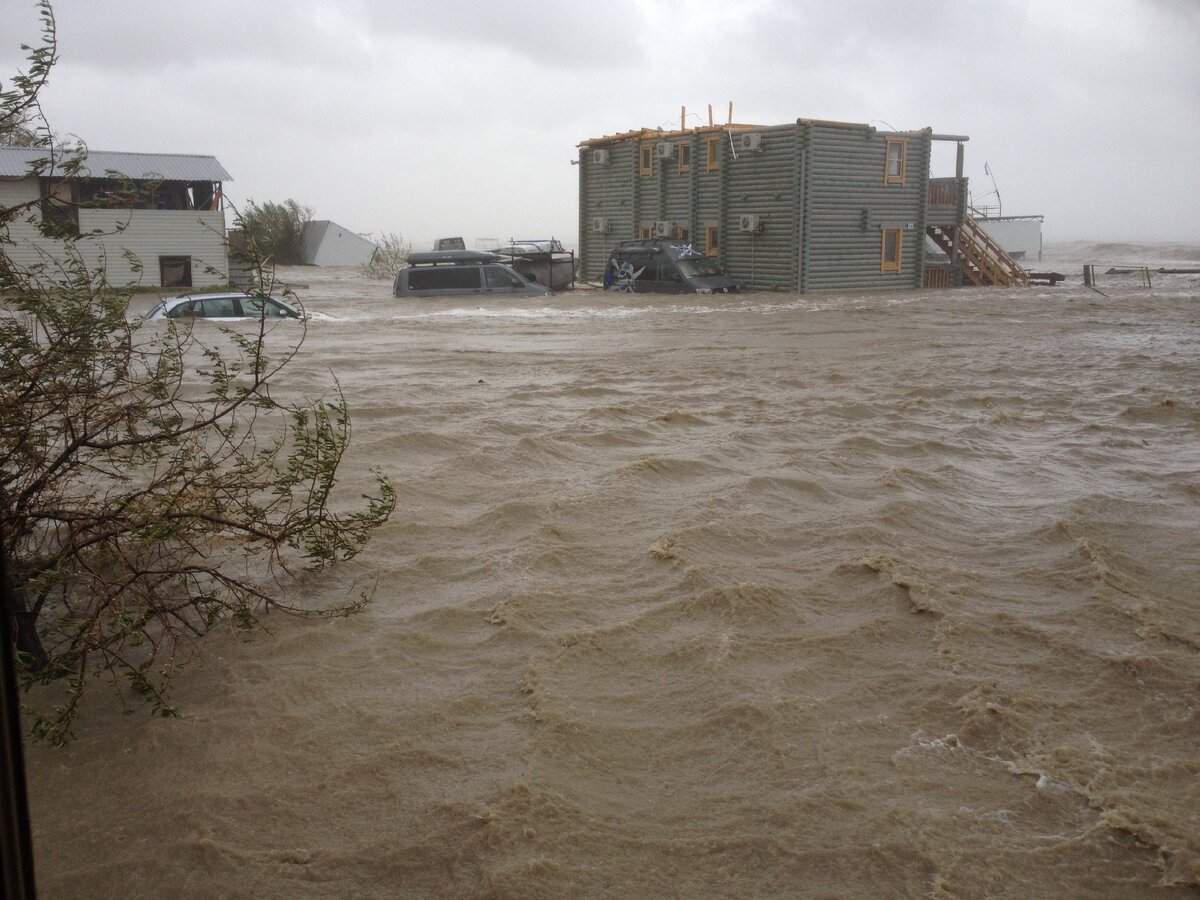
[(449, 273), (664, 266)]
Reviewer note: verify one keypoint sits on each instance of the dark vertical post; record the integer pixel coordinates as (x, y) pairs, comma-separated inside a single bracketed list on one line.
[(958, 161), (16, 842)]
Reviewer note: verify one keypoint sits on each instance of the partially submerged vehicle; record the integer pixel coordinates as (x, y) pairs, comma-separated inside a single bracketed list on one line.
[(224, 305), (450, 273), (665, 266), (543, 261)]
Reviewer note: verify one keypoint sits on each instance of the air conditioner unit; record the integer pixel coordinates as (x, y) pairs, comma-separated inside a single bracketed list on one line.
[(750, 222), (600, 156), (751, 143), (664, 150), (601, 224), (664, 229)]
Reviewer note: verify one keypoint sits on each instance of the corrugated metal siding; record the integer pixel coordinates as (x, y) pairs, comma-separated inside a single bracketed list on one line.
[(15, 161), (149, 234), (13, 193), (327, 243)]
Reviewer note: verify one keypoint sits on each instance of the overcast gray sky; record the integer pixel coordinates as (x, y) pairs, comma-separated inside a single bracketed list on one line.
[(461, 118)]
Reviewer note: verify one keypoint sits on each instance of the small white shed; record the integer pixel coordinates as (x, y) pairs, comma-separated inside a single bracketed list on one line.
[(329, 244)]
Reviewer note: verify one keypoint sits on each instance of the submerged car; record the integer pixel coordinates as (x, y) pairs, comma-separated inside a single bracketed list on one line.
[(665, 266), (228, 305), (451, 273)]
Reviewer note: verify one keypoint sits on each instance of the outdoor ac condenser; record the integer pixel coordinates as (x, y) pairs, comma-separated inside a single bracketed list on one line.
[(750, 222)]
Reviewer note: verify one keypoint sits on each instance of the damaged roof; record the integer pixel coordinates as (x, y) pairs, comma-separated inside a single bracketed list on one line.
[(643, 134), (655, 134), (15, 162)]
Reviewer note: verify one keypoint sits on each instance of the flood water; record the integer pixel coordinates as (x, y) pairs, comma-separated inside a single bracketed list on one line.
[(863, 595)]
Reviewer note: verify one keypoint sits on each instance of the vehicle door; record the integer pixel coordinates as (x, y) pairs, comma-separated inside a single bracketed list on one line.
[(502, 280), (669, 279), (217, 308), (633, 271)]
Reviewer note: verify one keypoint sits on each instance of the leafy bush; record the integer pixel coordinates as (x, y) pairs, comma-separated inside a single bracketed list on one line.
[(151, 484), (391, 252), (276, 230)]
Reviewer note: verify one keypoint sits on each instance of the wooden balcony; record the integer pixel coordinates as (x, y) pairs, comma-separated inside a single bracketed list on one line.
[(947, 201)]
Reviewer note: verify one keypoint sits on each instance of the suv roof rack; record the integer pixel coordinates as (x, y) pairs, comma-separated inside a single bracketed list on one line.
[(451, 258)]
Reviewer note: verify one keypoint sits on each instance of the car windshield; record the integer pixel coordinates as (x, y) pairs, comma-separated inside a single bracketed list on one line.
[(702, 266)]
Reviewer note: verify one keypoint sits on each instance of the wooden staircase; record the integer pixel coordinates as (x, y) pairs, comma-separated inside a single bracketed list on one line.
[(983, 261)]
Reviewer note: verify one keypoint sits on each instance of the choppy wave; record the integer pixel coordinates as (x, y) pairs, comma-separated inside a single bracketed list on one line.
[(771, 596)]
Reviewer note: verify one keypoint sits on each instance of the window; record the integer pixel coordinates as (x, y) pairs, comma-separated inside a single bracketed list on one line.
[(892, 250), (712, 241), (60, 204), (499, 277), (646, 159), (645, 231), (683, 233), (175, 271), (683, 153), (440, 278), (895, 156), (217, 308), (714, 158), (699, 266), (259, 307)]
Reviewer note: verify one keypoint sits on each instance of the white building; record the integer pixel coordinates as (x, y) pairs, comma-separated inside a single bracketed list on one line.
[(165, 209), (329, 244), (1020, 236)]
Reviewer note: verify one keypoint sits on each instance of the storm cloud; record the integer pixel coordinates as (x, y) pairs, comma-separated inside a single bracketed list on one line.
[(463, 117)]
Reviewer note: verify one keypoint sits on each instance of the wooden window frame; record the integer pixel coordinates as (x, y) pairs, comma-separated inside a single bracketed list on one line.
[(683, 153), (645, 159), (712, 159), (889, 143), (683, 233), (712, 240), (886, 265), (645, 231)]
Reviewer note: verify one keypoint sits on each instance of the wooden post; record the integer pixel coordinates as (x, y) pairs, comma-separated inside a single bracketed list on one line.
[(730, 112), (710, 115), (958, 162), (683, 118)]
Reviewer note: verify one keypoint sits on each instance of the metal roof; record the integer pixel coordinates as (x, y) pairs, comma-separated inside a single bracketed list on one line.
[(15, 161)]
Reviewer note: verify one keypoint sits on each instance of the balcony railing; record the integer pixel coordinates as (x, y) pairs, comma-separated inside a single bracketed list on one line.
[(943, 192)]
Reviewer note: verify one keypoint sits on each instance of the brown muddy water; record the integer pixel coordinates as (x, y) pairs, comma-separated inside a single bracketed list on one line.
[(763, 596)]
